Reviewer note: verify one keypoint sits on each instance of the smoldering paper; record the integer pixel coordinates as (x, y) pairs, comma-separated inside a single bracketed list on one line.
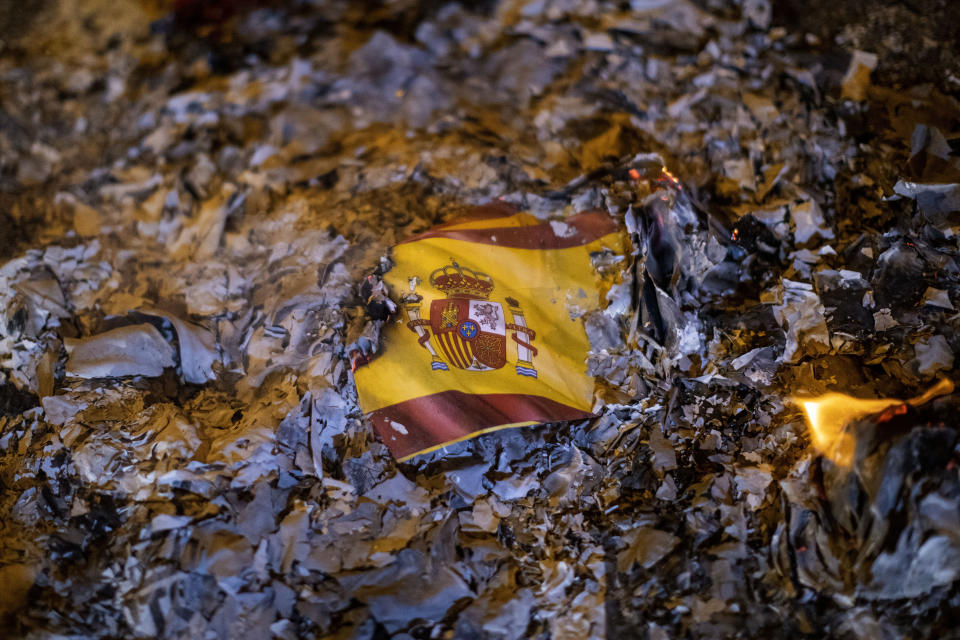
[(281, 156)]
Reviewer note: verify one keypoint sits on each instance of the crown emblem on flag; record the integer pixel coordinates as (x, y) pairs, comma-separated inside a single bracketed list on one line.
[(461, 282), (466, 329)]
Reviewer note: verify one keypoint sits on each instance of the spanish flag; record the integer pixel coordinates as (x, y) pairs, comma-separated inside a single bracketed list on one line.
[(489, 331)]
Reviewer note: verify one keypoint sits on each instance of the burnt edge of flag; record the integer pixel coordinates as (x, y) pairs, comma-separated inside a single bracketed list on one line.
[(426, 423), (585, 227)]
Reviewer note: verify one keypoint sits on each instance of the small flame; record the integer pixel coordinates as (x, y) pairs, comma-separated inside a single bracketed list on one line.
[(671, 178), (828, 416)]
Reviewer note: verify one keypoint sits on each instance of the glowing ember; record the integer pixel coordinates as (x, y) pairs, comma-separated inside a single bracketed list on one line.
[(671, 178), (828, 416)]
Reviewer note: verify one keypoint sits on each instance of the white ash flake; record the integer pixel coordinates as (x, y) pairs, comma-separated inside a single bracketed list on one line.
[(562, 229)]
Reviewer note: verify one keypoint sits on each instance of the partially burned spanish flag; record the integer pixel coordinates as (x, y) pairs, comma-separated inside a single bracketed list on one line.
[(489, 334)]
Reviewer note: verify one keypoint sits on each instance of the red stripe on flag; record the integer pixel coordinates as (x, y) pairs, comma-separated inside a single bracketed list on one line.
[(489, 211), (432, 420), (585, 228)]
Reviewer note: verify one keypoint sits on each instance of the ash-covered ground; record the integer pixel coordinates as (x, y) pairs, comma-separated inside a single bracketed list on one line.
[(191, 199)]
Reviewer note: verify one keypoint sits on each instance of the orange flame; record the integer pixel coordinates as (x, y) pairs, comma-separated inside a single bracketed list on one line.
[(671, 178), (828, 416)]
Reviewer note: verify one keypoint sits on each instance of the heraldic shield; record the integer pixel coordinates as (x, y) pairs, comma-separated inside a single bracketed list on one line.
[(469, 331), (471, 334)]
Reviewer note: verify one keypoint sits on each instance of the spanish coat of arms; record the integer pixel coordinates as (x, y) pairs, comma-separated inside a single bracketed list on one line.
[(466, 329)]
